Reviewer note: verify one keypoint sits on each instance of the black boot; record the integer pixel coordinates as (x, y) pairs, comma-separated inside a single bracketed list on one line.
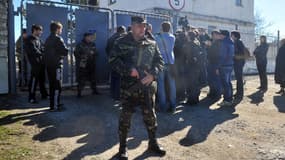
[(123, 151), (153, 146), (52, 108)]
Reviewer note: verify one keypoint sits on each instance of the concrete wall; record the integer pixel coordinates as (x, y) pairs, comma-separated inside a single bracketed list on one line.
[(3, 46), (219, 8), (223, 14), (225, 8)]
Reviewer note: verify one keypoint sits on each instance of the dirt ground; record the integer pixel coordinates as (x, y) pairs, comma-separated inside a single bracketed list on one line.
[(252, 130)]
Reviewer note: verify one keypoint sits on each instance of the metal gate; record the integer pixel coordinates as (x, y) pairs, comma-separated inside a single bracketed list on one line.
[(51, 13), (97, 21), (122, 17), (78, 19), (75, 24)]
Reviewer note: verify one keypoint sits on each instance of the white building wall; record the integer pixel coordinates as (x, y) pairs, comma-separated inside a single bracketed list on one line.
[(224, 8), (219, 8), (3, 47), (223, 14)]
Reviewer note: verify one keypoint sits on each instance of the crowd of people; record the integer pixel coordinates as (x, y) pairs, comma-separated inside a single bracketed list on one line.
[(193, 59), (153, 71)]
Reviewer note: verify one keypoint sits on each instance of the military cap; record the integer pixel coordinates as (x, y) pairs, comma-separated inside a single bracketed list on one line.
[(138, 20), (89, 33)]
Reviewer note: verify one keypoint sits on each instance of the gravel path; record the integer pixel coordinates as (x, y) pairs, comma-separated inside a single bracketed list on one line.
[(251, 130)]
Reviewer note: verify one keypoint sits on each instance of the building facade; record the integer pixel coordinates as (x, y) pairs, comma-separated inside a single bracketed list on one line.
[(214, 14), (4, 46)]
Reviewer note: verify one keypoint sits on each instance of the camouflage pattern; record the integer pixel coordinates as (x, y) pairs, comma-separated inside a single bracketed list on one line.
[(85, 55), (193, 51), (143, 55)]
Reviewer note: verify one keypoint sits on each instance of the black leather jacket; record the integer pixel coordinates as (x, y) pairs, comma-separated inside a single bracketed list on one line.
[(55, 50), (34, 49)]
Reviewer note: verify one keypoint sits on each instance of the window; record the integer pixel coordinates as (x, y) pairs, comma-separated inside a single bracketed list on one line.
[(93, 2), (112, 1), (238, 2)]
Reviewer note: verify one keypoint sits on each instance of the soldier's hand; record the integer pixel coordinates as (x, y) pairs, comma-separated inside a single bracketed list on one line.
[(147, 79), (135, 73)]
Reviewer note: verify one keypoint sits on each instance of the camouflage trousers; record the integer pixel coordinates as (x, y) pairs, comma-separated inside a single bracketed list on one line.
[(148, 112), (86, 75)]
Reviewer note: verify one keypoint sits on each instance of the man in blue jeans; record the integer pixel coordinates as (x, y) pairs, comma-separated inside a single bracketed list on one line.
[(213, 56), (166, 79), (226, 67)]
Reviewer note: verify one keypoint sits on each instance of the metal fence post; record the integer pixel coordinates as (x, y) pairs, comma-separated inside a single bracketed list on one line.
[(11, 49), (278, 39)]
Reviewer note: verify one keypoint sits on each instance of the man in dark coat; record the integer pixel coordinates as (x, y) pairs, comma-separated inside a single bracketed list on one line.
[(180, 65), (148, 32), (260, 54), (85, 54), (225, 68), (239, 61), (34, 49), (115, 77), (55, 51), (213, 56), (280, 68), (203, 39), (22, 59), (120, 32), (138, 61)]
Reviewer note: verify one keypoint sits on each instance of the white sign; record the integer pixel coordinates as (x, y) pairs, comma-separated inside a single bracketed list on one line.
[(177, 4)]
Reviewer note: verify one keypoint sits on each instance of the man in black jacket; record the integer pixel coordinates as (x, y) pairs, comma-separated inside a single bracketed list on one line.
[(213, 67), (22, 59), (115, 77), (55, 50), (260, 54), (239, 61), (34, 49)]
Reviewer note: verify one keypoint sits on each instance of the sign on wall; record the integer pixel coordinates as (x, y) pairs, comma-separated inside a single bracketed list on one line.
[(177, 4)]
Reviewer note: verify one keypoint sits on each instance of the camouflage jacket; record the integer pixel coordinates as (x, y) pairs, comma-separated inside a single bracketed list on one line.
[(192, 51), (85, 53), (143, 55)]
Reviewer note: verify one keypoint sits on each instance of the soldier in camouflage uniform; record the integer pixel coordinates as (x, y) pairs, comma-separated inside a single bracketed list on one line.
[(85, 54), (193, 51), (138, 61)]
